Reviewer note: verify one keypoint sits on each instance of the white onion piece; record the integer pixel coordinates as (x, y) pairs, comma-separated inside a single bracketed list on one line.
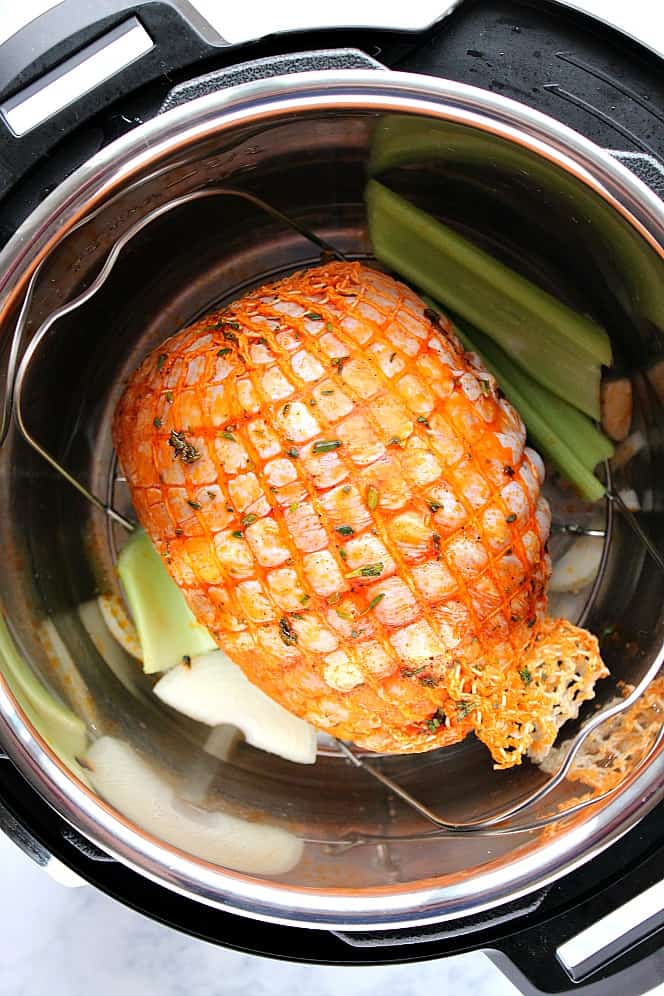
[(120, 625), (222, 741), (628, 449), (129, 784), (215, 691), (630, 499), (109, 648), (564, 605), (578, 566)]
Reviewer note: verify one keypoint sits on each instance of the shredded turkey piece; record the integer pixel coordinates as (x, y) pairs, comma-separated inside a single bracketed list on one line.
[(346, 500)]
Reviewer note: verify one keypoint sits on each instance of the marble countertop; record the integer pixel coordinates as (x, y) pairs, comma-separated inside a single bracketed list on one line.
[(76, 941)]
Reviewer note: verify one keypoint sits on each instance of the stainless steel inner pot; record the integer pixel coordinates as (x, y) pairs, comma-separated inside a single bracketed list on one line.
[(321, 845)]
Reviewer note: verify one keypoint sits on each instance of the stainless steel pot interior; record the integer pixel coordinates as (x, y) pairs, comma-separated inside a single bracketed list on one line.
[(536, 195)]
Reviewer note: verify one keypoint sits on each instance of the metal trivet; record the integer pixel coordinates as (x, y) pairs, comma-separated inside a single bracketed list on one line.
[(498, 822)]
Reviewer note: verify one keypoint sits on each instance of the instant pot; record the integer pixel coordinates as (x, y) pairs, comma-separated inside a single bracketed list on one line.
[(190, 171)]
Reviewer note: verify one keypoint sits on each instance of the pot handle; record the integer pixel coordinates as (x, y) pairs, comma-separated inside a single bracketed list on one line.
[(619, 952), (77, 58)]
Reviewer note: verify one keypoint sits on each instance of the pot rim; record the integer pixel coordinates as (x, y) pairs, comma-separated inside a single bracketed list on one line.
[(106, 173)]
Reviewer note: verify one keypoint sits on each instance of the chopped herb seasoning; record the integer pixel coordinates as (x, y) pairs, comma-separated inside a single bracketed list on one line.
[(304, 599), (435, 506), (229, 508), (346, 489), (292, 452), (328, 390), (186, 660), (232, 325), (326, 445), (161, 359), (463, 708), (354, 634), (435, 539), (428, 681), (436, 721), (531, 623), (194, 504), (345, 530), (313, 402), (511, 517), (423, 420), (508, 471), (237, 533), (342, 553), (187, 452), (395, 441), (287, 634), (339, 362), (211, 494), (157, 423), (228, 435), (344, 615), (393, 357), (525, 675), (225, 351), (179, 532), (485, 388), (292, 506), (229, 336), (368, 571), (432, 316), (314, 316), (412, 672), (375, 600), (169, 397), (262, 341), (285, 410), (372, 498), (248, 519), (329, 326)]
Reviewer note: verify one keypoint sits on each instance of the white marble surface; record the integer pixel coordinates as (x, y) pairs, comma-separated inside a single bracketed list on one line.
[(77, 942), (56, 941)]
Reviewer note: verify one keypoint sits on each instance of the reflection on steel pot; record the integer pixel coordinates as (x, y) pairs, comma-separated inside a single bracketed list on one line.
[(539, 197)]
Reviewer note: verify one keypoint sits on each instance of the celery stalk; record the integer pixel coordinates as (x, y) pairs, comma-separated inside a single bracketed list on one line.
[(589, 443), (559, 348), (166, 626), (416, 140), (561, 433), (62, 730)]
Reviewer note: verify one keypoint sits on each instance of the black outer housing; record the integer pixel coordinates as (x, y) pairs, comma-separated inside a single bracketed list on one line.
[(589, 76), (520, 937)]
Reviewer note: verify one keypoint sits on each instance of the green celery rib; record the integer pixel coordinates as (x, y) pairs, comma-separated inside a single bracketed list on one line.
[(564, 435), (589, 443), (558, 347), (166, 626)]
